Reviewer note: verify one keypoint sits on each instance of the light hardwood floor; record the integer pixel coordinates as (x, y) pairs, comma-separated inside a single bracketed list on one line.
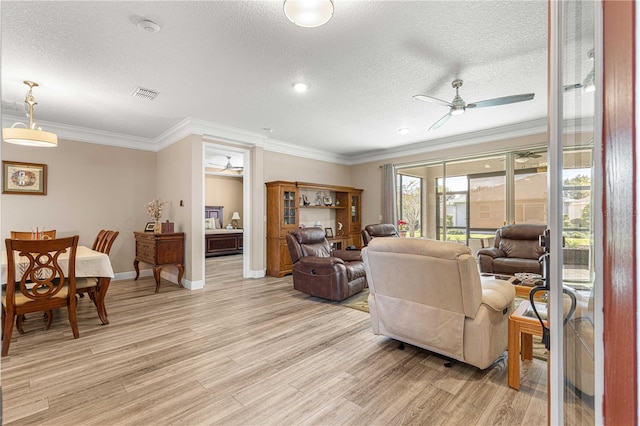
[(240, 352)]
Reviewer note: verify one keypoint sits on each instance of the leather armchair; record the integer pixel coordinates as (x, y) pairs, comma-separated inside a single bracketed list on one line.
[(515, 249), (320, 272), (429, 294), (378, 230)]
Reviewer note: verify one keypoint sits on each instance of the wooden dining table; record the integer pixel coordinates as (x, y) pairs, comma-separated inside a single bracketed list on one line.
[(89, 263)]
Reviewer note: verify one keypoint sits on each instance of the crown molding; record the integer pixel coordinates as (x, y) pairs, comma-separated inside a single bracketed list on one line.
[(217, 132), (83, 134), (526, 128)]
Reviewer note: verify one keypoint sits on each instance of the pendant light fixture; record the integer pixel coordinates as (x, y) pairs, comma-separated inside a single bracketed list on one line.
[(308, 13), (32, 135)]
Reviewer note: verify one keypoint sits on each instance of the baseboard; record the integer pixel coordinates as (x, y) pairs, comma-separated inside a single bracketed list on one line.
[(260, 273)]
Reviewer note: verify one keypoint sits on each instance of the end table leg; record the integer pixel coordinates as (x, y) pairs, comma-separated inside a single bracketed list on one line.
[(156, 275), (180, 274), (135, 266), (513, 355)]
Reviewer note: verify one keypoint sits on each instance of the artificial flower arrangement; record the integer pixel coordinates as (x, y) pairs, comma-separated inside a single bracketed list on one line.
[(402, 225), (154, 208)]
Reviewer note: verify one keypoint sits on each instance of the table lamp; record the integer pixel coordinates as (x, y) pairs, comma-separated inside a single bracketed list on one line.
[(234, 219)]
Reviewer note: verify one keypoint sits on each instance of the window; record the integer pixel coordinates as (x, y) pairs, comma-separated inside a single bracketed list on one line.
[(409, 192)]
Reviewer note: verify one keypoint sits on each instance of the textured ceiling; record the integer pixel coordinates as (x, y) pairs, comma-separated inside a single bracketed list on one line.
[(233, 63)]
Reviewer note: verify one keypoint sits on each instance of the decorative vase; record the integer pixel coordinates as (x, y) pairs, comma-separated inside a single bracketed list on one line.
[(157, 228)]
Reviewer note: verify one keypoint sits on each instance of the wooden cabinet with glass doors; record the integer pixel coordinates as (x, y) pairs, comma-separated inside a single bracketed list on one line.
[(285, 200)]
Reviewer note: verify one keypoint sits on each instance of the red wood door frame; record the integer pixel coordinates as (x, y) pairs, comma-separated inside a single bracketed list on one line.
[(619, 213)]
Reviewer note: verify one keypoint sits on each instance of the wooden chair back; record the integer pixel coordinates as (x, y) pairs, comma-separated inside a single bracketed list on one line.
[(39, 283), (21, 235), (104, 240)]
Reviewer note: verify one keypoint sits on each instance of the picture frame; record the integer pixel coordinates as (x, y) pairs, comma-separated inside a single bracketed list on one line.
[(328, 232), (24, 178), (150, 227)]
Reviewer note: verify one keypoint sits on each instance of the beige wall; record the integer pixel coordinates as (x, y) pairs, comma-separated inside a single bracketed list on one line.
[(288, 167), (90, 187), (224, 191), (180, 177)]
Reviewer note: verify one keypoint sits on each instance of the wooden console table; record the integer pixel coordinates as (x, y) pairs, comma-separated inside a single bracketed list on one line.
[(160, 250)]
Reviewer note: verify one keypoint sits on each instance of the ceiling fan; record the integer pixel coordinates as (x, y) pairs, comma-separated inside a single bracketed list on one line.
[(587, 85), (458, 106), (227, 166), (523, 157)]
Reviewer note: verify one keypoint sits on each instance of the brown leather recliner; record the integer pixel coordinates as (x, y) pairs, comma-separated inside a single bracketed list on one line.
[(515, 249), (378, 230), (320, 272)]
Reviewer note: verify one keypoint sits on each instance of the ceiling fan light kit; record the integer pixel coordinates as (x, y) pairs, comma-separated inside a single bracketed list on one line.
[(308, 13), (458, 106), (32, 135)]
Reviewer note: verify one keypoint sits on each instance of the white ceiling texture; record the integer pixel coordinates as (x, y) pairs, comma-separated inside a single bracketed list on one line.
[(226, 69)]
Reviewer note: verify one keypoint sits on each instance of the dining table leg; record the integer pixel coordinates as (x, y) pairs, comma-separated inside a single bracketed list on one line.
[(103, 286)]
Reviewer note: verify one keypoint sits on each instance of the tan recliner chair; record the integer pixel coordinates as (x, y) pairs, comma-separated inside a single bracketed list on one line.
[(428, 293)]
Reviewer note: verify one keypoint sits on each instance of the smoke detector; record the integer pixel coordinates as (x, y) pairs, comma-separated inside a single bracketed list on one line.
[(148, 26)]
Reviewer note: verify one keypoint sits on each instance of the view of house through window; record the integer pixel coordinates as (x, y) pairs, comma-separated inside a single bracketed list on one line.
[(468, 200)]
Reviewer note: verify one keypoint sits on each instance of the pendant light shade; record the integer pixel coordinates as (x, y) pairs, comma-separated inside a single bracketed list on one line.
[(308, 13), (32, 135)]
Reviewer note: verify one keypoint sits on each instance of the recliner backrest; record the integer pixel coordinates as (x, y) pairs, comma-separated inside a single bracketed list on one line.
[(440, 274), (520, 240), (308, 242), (378, 230)]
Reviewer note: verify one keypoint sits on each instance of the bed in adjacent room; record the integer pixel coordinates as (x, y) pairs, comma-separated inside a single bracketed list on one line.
[(219, 240)]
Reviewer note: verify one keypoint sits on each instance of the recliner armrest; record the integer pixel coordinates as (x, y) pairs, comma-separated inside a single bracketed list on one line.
[(348, 255), (497, 294), (320, 262), (492, 251)]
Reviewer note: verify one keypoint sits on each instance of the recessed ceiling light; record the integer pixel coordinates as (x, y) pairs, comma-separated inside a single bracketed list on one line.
[(403, 131), (300, 87)]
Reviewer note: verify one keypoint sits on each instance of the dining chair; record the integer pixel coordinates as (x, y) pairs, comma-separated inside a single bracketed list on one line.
[(39, 284), (91, 285), (24, 235)]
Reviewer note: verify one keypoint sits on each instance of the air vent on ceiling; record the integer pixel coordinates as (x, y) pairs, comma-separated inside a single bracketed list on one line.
[(143, 93)]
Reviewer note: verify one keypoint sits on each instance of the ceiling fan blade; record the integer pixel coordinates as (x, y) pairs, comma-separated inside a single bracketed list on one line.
[(570, 87), (425, 98), (502, 101), (440, 122)]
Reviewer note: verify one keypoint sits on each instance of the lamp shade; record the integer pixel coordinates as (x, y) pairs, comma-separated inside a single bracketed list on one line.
[(308, 13), (235, 216), (29, 137)]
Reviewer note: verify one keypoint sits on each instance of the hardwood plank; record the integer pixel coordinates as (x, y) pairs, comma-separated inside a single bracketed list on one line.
[(244, 351)]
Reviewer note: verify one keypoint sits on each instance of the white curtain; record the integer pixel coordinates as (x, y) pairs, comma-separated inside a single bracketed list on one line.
[(389, 211)]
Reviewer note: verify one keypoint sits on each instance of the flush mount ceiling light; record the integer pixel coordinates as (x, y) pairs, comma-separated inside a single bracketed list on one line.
[(403, 131), (32, 135), (308, 13), (300, 87)]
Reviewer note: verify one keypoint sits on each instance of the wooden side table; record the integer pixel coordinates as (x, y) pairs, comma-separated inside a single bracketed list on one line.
[(160, 250), (523, 325)]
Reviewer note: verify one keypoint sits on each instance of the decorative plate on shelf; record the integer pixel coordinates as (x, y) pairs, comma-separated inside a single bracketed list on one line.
[(529, 279)]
